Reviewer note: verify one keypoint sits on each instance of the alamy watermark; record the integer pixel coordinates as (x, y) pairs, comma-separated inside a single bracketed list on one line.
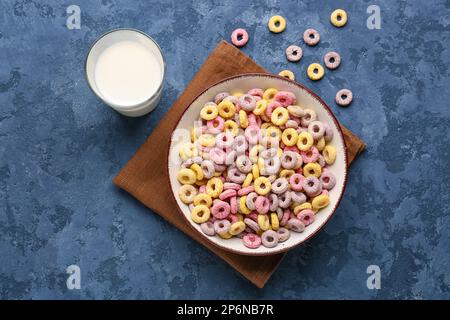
[(374, 20), (74, 19), (74, 279), (374, 280)]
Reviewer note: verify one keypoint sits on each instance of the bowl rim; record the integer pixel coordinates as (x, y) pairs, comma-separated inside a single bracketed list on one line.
[(327, 109)]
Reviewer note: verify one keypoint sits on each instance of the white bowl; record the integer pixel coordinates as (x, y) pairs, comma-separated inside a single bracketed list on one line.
[(305, 98)]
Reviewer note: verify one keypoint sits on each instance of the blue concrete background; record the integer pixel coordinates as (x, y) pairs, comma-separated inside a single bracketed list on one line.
[(60, 147)]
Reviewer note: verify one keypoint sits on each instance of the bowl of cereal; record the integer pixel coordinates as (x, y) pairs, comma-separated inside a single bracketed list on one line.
[(257, 164)]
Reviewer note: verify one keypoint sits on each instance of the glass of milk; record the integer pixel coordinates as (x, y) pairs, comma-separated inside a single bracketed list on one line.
[(125, 68)]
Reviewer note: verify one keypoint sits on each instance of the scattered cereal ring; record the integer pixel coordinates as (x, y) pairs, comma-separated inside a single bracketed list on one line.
[(311, 37), (344, 97), (277, 24), (315, 71), (200, 214), (187, 193), (338, 18), (294, 53), (239, 37), (329, 154), (287, 74), (332, 60)]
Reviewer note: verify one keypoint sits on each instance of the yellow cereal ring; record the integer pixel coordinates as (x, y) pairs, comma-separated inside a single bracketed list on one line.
[(200, 214), (263, 222), (240, 217), (248, 180), (198, 171), (305, 141), (275, 223), (260, 107), (214, 187), (260, 164), (209, 112), (265, 125), (207, 140), (262, 186), (320, 144), (289, 137), (254, 152), (279, 152), (255, 171), (188, 150), (338, 18), (303, 206), (329, 154), (312, 169), (186, 176), (237, 94), (287, 74), (264, 118), (217, 174), (277, 24), (201, 182), (315, 71), (269, 94), (279, 116), (243, 119), (273, 132), (187, 193), (226, 109), (286, 173), (243, 206), (237, 228), (320, 202), (203, 199), (231, 126), (225, 235)]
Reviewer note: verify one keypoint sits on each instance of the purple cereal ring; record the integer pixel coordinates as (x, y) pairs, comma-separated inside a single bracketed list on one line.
[(344, 97), (252, 224), (292, 124), (240, 144), (316, 129), (208, 228), (234, 175), (222, 226), (289, 159), (254, 216), (328, 135), (244, 164), (269, 238), (230, 157), (207, 168), (285, 218), (232, 99), (224, 140), (279, 212), (328, 180), (321, 161), (256, 92), (247, 102), (250, 200), (220, 96), (311, 37), (306, 216), (332, 60), (312, 186), (280, 186), (239, 37), (251, 241), (296, 181), (220, 209), (245, 191), (233, 205), (270, 107), (310, 116), (252, 134), (312, 155), (284, 200), (283, 234), (217, 155), (298, 197), (268, 153), (262, 204), (285, 98), (220, 167), (272, 166), (227, 194), (215, 125), (294, 53), (295, 225), (273, 201)]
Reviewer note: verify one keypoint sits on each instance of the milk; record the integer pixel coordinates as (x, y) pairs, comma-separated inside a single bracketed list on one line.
[(127, 73)]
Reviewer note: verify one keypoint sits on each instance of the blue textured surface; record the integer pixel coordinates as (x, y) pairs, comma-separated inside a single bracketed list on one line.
[(60, 148)]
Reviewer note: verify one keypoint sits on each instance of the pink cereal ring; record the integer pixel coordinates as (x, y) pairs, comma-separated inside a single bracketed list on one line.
[(296, 181), (312, 155), (286, 217), (306, 216), (253, 120), (239, 37), (293, 149), (215, 125), (202, 189), (232, 218), (227, 194), (256, 92), (220, 209), (233, 205), (252, 133), (252, 241), (270, 107), (245, 191), (231, 185), (253, 215), (285, 98), (217, 155), (224, 140), (262, 204)]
